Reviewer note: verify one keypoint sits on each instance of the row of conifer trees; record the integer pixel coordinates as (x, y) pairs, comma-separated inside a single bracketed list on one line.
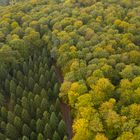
[(30, 107)]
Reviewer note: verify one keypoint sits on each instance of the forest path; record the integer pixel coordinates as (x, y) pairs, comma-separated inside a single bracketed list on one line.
[(65, 109)]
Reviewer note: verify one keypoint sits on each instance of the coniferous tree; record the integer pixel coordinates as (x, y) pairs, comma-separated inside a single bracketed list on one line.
[(56, 136), (46, 116), (25, 68), (38, 113), (41, 71), (52, 108), (30, 95), (49, 86), (25, 93), (39, 126), (33, 124), (32, 108), (42, 81), (46, 67), (53, 121), (25, 138), (25, 116), (44, 105), (40, 137), (44, 94), (55, 90), (52, 70), (25, 81), (62, 128), (65, 138), (50, 93), (11, 131), (1, 100), (31, 83), (31, 63), (10, 117), (2, 136), (13, 86), (19, 76), (4, 113), (18, 110), (47, 75), (26, 131), (53, 78), (3, 126), (3, 73), (60, 115), (19, 91), (7, 86), (12, 99), (47, 131), (33, 136), (37, 100), (57, 105), (36, 89), (25, 103), (18, 123), (36, 77)]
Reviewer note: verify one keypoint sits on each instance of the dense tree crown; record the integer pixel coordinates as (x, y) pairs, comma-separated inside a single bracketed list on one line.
[(96, 43)]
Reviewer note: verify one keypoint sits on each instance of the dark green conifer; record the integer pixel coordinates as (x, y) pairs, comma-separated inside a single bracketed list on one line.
[(19, 91), (53, 121), (46, 116), (44, 104), (38, 113), (39, 126), (52, 108), (25, 138), (17, 110), (36, 89), (1, 100), (65, 138), (7, 86), (57, 105), (2, 136), (10, 117), (55, 90), (40, 137), (25, 81), (42, 81), (33, 124), (47, 131), (33, 136), (25, 116), (25, 68), (3, 126), (11, 131), (26, 131), (25, 103), (56, 136), (37, 100), (44, 94), (18, 123), (13, 86), (4, 113), (19, 76), (25, 93), (62, 128), (31, 83)]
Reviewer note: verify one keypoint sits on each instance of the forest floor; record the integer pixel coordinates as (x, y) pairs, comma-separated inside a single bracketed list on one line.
[(65, 109)]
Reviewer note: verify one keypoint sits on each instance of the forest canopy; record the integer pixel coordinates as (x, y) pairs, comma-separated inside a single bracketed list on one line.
[(96, 44)]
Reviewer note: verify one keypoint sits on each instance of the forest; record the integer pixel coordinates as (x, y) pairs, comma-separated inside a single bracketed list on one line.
[(84, 54)]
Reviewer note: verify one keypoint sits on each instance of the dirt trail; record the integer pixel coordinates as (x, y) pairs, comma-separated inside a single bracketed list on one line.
[(67, 118), (65, 109)]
